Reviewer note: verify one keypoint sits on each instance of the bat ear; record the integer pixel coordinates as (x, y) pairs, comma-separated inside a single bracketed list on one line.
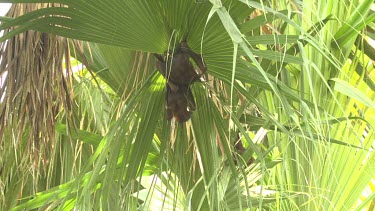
[(169, 114), (159, 57)]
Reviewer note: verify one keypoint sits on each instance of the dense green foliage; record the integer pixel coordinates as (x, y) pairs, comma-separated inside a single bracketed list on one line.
[(293, 82)]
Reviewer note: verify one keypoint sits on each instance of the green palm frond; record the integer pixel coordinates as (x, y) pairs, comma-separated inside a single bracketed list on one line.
[(279, 80)]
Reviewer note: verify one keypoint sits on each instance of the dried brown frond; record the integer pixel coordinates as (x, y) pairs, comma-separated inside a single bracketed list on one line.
[(34, 86)]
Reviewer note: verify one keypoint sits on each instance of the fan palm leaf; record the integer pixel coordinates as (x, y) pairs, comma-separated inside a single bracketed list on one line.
[(280, 74)]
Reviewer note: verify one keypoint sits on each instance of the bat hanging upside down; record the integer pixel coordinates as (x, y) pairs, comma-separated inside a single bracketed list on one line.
[(180, 74)]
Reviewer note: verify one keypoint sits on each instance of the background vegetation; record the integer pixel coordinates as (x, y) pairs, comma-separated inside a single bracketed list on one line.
[(284, 120)]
